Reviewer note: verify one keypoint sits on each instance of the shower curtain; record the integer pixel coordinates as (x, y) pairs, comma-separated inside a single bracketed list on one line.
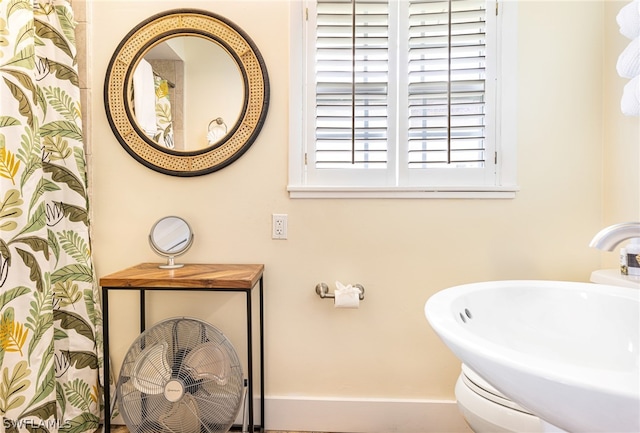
[(164, 119), (50, 319)]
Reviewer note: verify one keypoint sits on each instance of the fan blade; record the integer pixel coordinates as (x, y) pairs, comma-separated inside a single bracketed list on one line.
[(183, 417), (207, 361), (136, 407), (151, 371), (218, 411)]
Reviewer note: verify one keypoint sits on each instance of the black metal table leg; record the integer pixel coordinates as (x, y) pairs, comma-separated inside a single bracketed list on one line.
[(105, 359), (143, 319), (250, 360), (261, 354)]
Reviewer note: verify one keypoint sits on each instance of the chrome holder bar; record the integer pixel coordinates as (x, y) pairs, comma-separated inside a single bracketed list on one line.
[(322, 290)]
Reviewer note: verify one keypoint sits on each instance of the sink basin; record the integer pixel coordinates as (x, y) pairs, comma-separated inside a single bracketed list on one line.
[(568, 352)]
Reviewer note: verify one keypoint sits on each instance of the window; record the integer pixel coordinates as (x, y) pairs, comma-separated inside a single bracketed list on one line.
[(402, 98)]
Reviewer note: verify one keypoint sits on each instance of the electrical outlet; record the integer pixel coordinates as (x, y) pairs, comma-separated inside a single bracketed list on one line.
[(279, 226)]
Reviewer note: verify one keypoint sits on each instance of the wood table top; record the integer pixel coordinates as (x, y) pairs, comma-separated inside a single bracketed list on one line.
[(190, 276)]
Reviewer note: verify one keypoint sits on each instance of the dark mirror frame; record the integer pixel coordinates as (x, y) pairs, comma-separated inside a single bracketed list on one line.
[(118, 106)]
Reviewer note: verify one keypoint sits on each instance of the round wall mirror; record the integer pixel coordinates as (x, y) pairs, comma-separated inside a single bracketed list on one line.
[(186, 92), (170, 237)]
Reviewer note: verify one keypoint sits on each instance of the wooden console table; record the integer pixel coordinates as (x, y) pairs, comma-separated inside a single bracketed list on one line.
[(192, 277)]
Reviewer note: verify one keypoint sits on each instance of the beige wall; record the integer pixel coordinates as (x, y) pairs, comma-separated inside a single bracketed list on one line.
[(571, 142), (621, 148)]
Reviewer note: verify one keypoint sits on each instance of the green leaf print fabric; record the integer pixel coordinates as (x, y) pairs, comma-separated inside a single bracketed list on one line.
[(50, 318)]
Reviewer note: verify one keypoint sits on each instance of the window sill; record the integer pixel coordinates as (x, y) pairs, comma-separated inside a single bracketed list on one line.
[(458, 192)]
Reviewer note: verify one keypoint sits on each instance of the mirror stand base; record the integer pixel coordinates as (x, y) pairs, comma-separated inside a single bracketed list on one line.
[(176, 266), (171, 264)]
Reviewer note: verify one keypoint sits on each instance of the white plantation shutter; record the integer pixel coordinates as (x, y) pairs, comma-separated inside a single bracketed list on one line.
[(352, 84), (401, 93), (446, 88)]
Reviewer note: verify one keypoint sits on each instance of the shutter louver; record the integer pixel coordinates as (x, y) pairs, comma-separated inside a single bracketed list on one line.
[(446, 84), (352, 74)]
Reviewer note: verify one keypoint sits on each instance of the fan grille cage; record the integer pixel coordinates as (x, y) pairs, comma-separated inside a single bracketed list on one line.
[(182, 375)]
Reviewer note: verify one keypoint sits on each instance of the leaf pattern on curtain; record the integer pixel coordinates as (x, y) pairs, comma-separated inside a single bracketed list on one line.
[(50, 317), (164, 119)]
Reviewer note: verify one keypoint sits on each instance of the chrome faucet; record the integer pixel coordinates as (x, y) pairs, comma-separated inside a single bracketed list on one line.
[(607, 238)]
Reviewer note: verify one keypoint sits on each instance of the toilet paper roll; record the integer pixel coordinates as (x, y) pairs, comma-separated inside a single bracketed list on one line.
[(346, 296), (347, 300)]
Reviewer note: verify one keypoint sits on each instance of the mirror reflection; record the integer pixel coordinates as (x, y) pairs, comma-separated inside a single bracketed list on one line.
[(186, 92), (170, 237)]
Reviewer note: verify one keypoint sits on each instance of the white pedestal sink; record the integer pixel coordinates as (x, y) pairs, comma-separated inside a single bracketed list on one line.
[(568, 352)]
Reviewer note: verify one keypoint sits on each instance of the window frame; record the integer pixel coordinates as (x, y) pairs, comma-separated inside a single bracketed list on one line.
[(502, 185)]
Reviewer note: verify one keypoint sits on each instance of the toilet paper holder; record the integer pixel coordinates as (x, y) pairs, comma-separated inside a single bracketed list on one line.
[(323, 291)]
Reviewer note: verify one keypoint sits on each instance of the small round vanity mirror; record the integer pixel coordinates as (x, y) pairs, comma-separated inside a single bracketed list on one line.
[(171, 237)]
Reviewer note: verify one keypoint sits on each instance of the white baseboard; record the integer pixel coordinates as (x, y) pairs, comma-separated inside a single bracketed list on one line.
[(302, 414), (363, 415)]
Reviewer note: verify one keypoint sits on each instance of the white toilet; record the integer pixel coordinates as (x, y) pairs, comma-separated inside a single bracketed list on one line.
[(486, 410)]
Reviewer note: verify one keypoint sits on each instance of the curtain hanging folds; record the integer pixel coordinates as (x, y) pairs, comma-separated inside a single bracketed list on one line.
[(50, 317)]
